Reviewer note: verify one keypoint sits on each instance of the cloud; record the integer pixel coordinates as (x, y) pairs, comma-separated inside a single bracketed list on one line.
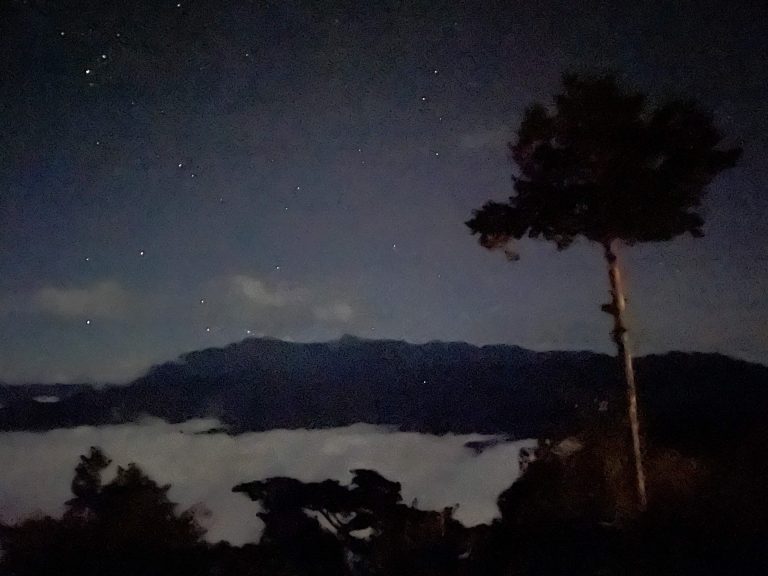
[(338, 312), (438, 471), (278, 308), (494, 138), (106, 299), (259, 294)]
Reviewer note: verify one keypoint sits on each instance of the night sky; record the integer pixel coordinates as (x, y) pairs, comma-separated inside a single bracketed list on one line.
[(175, 176)]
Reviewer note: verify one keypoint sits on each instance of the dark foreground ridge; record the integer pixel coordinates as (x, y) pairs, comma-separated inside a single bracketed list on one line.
[(438, 387)]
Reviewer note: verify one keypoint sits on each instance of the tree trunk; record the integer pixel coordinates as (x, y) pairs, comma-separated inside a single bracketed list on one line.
[(619, 334)]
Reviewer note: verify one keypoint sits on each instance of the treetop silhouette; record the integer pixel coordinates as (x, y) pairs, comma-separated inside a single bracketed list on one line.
[(604, 165)]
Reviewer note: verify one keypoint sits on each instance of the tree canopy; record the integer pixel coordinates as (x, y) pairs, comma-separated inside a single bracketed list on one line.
[(603, 164)]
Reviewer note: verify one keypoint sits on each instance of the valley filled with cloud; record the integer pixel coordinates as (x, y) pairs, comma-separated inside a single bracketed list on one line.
[(203, 463)]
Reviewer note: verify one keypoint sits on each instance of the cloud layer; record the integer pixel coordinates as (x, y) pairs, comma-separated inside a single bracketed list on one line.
[(203, 468)]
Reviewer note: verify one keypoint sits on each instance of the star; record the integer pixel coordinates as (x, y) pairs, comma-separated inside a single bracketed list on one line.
[(87, 258), (87, 322), (181, 164), (87, 70), (423, 98), (207, 329), (103, 56), (141, 252), (202, 300), (277, 267)]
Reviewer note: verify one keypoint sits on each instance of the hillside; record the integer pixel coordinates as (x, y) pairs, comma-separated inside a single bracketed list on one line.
[(262, 384)]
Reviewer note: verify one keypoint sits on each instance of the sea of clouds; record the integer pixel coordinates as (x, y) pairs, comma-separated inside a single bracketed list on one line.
[(202, 468)]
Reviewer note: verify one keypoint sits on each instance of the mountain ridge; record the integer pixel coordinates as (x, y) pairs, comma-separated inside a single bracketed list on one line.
[(437, 387)]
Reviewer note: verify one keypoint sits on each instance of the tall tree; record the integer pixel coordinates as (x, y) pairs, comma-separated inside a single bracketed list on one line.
[(604, 165)]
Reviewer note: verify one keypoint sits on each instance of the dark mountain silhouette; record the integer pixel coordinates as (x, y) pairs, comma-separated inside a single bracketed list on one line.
[(438, 387)]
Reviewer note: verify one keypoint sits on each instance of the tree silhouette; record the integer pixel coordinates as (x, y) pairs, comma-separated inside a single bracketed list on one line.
[(125, 527), (368, 530), (603, 165), (294, 542), (86, 485)]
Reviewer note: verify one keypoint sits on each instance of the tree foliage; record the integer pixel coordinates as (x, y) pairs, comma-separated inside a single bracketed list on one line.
[(365, 529), (125, 527), (602, 164)]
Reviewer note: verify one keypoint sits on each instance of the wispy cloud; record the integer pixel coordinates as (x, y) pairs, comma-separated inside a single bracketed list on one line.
[(258, 293), (336, 312), (280, 308), (105, 299), (492, 138)]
